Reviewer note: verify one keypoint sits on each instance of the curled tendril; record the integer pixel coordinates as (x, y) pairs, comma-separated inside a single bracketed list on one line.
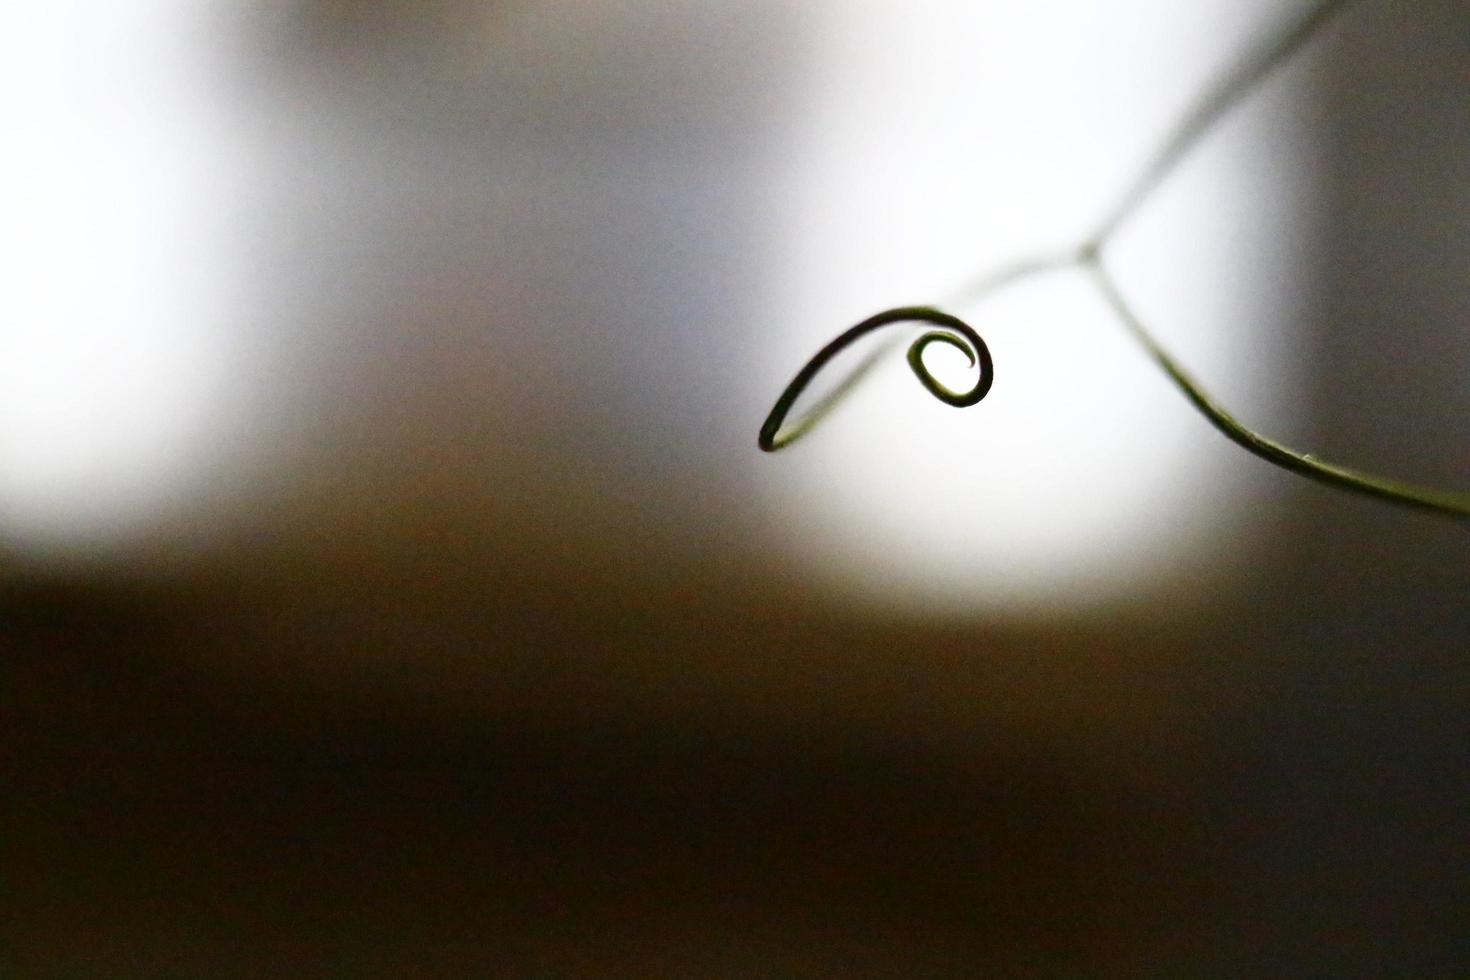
[(953, 331), (1087, 258)]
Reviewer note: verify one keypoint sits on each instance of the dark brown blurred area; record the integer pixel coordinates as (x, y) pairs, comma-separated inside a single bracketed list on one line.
[(450, 711), (567, 787)]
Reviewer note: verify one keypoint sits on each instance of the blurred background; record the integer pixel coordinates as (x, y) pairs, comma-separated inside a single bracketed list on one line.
[(390, 584)]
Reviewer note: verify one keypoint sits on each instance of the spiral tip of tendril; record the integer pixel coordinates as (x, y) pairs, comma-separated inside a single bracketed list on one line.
[(952, 331), (976, 355)]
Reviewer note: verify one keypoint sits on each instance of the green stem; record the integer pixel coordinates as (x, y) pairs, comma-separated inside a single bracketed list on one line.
[(1304, 464), (1206, 112)]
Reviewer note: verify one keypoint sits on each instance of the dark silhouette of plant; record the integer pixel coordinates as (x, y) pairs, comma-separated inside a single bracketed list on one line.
[(1088, 257)]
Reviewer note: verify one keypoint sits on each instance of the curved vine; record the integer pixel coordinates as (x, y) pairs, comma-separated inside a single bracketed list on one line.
[(967, 341), (1087, 257)]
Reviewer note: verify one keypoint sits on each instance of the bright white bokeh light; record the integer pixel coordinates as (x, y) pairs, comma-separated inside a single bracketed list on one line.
[(948, 138), (112, 348)]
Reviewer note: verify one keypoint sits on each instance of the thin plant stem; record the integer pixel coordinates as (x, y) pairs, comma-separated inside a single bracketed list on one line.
[(1304, 464), (1208, 109), (773, 438), (1205, 113)]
